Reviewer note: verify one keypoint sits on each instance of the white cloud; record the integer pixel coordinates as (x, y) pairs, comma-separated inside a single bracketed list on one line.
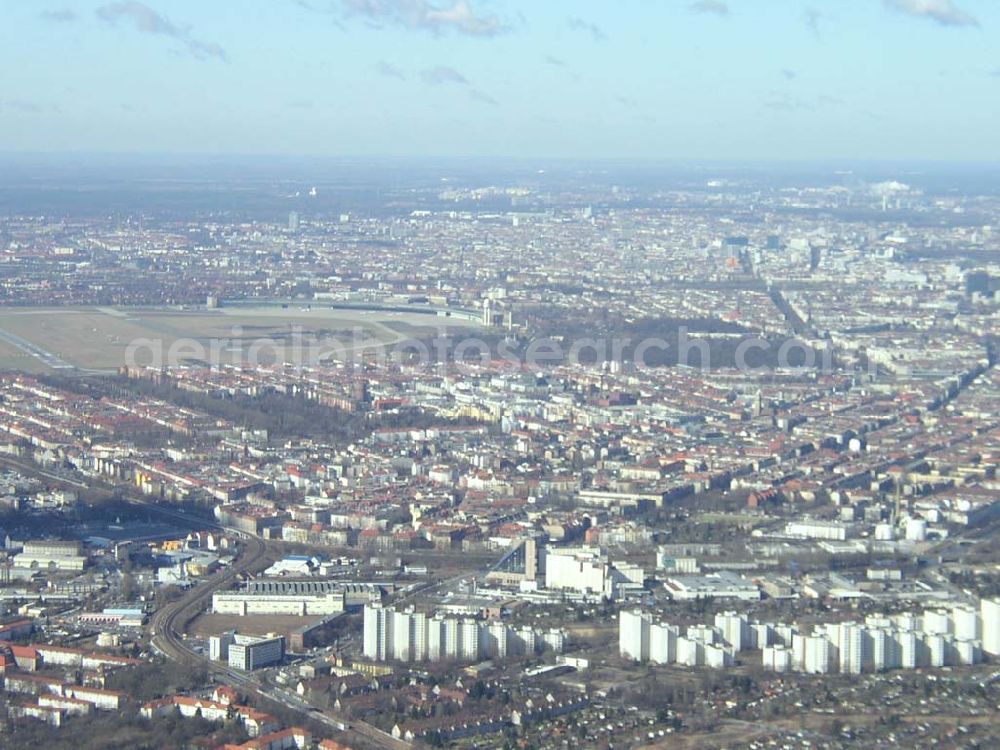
[(944, 12), (717, 7), (442, 74), (421, 15), (147, 21)]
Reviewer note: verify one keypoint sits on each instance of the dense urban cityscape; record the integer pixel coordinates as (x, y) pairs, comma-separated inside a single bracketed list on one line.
[(499, 375), (660, 462)]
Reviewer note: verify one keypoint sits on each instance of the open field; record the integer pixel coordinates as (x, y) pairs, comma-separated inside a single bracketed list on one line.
[(38, 339), (13, 358), (207, 624)]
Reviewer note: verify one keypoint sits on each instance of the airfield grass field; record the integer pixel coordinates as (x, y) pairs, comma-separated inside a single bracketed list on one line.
[(12, 358), (92, 338)]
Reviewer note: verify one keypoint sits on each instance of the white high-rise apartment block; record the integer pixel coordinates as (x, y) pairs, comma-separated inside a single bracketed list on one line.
[(877, 649), (931, 650), (761, 635), (989, 612), (408, 635), (798, 652), (817, 655), (494, 637), (555, 639), (634, 635), (663, 643), (526, 640), (851, 647), (378, 640), (690, 652), (965, 623), (450, 639), (435, 638), (777, 658), (906, 621), (935, 622), (402, 636), (904, 649), (967, 652), (718, 657), (468, 640), (703, 633), (783, 634), (735, 630)]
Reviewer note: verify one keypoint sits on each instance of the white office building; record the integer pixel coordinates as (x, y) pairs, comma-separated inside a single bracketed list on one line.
[(218, 645), (250, 652)]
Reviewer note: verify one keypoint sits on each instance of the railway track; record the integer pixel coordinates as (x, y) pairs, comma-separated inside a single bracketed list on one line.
[(165, 622), (169, 622)]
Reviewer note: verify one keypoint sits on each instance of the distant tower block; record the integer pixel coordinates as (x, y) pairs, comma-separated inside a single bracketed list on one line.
[(519, 564), (496, 313), (293, 221)]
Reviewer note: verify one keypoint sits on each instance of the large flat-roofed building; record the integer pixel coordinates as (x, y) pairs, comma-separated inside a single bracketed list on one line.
[(356, 594), (585, 570), (249, 652), (723, 585), (245, 604), (810, 529), (48, 554)]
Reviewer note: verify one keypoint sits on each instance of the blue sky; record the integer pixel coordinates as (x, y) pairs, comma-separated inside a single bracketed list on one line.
[(753, 79)]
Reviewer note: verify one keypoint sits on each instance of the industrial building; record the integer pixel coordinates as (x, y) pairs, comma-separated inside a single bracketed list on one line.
[(244, 604)]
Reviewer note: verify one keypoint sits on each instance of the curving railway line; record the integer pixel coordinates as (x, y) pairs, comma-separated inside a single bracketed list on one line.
[(168, 623), (169, 620)]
